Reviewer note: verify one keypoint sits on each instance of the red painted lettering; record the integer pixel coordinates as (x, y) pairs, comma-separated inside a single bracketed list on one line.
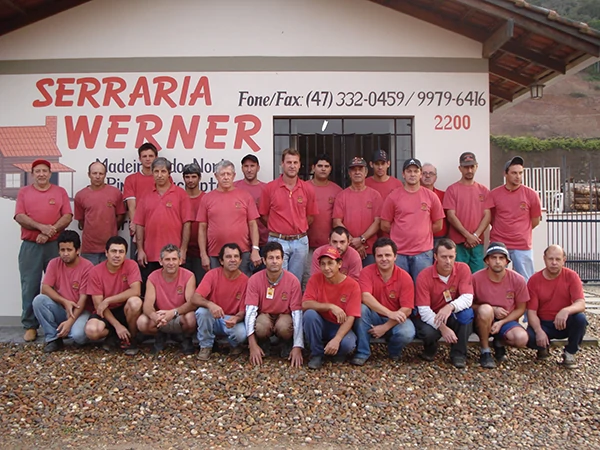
[(115, 130), (62, 92), (164, 87), (188, 136), (140, 90), (212, 131), (88, 94), (184, 90), (244, 134), (41, 86), (146, 134), (114, 86), (82, 128), (202, 90)]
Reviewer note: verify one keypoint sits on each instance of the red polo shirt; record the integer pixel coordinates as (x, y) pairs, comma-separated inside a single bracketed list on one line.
[(512, 289), (70, 282), (444, 231), (45, 207), (395, 293), (548, 297), (255, 190), (430, 287), (346, 295), (469, 203), (383, 187), (228, 294), (102, 282), (169, 294), (318, 233), (287, 294)]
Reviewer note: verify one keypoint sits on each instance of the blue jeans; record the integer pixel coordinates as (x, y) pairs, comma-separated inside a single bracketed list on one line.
[(209, 327), (318, 331), (522, 261), (397, 338), (369, 259), (414, 264), (295, 254), (50, 315), (244, 265), (574, 332), (33, 260), (94, 258)]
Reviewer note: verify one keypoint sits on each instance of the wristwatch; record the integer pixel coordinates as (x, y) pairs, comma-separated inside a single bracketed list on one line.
[(256, 247), (175, 314), (363, 240)]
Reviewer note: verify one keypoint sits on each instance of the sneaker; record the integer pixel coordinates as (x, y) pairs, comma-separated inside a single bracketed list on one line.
[(486, 361), (53, 346), (110, 342), (160, 342), (499, 351), (130, 349), (30, 335), (395, 358), (429, 353), (236, 351), (568, 360), (543, 354), (358, 361), (338, 359), (460, 362), (316, 362), (286, 348), (205, 353), (187, 346)]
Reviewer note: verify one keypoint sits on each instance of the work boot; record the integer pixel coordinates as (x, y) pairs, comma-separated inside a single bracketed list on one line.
[(543, 354), (187, 346), (205, 353), (316, 362), (568, 360), (30, 335), (160, 342), (53, 346)]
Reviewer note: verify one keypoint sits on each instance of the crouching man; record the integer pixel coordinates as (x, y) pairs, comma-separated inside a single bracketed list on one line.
[(167, 303), (556, 309), (331, 303), (62, 307)]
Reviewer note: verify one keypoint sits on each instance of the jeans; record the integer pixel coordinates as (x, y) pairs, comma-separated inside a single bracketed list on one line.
[(209, 327), (33, 260), (471, 256), (94, 258), (397, 338), (522, 261), (369, 259), (244, 266), (194, 264), (430, 336), (295, 254), (50, 315), (307, 268), (318, 331), (414, 264), (574, 332)]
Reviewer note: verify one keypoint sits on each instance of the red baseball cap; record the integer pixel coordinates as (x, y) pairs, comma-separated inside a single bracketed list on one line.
[(37, 162), (332, 253)]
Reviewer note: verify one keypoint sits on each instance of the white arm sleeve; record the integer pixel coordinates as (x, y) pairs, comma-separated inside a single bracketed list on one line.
[(250, 320), (427, 315), (298, 328), (462, 302)]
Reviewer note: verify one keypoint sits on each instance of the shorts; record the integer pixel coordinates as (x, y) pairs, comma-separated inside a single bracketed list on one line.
[(507, 327), (118, 312), (173, 326)]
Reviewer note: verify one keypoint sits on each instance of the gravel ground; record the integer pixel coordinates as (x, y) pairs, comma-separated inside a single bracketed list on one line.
[(86, 398)]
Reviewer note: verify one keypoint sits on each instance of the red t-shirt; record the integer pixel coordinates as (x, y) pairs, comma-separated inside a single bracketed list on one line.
[(512, 289), (227, 215), (45, 207), (70, 282), (383, 187), (104, 283), (193, 249), (469, 203), (287, 294), (163, 217), (444, 231), (548, 297), (358, 210), (411, 215), (288, 210), (98, 209), (170, 294), (255, 190), (137, 185), (226, 293), (351, 262), (346, 295), (512, 212), (398, 292), (430, 287), (318, 232)]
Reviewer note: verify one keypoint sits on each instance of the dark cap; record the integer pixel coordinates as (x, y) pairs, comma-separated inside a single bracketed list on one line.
[(497, 247), (380, 155), (357, 161), (331, 252), (467, 159), (517, 160), (37, 162), (192, 168), (250, 157), (411, 162)]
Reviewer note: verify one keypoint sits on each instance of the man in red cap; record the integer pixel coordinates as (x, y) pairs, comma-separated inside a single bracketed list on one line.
[(43, 210)]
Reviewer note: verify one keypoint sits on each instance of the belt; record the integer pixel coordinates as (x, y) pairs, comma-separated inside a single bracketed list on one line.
[(286, 237)]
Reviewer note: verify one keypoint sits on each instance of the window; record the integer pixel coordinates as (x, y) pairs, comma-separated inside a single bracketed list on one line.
[(12, 180)]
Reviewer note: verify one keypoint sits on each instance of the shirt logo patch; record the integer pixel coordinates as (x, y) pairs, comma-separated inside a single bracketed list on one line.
[(344, 298), (481, 198), (284, 296), (300, 199), (369, 205), (169, 204), (238, 205), (424, 207), (179, 290), (331, 200), (52, 201), (510, 294), (452, 289), (124, 278), (523, 205), (238, 296), (75, 285), (110, 204), (392, 294)]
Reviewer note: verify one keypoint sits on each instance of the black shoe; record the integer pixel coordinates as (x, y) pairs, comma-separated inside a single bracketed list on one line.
[(543, 354), (358, 361), (130, 349), (338, 359), (110, 343), (500, 353), (429, 352), (460, 362), (486, 361), (187, 346), (53, 346), (286, 348), (316, 362), (160, 342), (265, 346)]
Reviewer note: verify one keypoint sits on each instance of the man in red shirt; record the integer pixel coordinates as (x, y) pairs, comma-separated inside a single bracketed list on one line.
[(331, 304), (358, 208), (100, 211), (168, 308), (500, 300), (428, 179), (412, 215), (381, 181), (467, 205), (228, 214), (388, 298), (557, 306), (288, 206), (61, 308), (516, 211), (220, 301), (115, 286), (191, 177), (444, 295), (339, 238), (43, 211), (274, 307)]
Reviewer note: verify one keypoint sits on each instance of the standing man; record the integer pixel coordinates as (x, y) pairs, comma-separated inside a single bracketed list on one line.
[(167, 304), (331, 304), (62, 307), (164, 216), (339, 238), (411, 215), (191, 177), (381, 181), (220, 302), (516, 211), (467, 205), (557, 306), (444, 295), (358, 208), (43, 211), (227, 215), (428, 179), (100, 211), (388, 298), (115, 286), (500, 300), (288, 206), (274, 307)]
